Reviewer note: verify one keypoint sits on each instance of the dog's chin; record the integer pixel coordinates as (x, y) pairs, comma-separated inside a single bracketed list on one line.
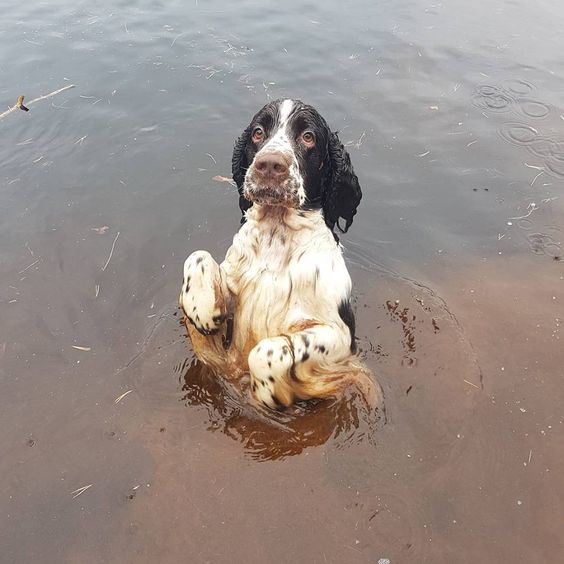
[(270, 195)]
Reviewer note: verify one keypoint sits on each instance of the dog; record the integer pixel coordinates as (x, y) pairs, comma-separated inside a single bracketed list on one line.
[(279, 306)]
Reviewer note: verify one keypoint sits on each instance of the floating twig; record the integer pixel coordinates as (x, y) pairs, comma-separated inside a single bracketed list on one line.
[(531, 207), (534, 166), (19, 104), (472, 384), (80, 491), (119, 398), (220, 178), (111, 252), (28, 267), (534, 179), (78, 347)]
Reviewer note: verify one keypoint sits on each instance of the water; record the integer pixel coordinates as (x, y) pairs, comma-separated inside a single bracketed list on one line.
[(452, 114)]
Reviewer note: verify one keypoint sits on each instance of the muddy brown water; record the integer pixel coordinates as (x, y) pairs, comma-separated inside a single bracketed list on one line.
[(453, 116)]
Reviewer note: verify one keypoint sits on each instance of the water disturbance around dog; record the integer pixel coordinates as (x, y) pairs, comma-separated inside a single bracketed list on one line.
[(118, 447)]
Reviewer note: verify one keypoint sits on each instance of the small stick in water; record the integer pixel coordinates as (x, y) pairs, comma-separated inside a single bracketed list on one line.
[(19, 103)]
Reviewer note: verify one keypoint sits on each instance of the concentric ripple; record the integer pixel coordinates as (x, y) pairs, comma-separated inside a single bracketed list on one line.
[(492, 98), (533, 108), (518, 133)]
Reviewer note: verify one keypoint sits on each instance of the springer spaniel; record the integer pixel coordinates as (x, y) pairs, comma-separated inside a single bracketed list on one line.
[(279, 305)]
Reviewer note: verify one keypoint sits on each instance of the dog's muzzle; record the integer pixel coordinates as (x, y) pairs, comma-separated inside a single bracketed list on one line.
[(269, 180)]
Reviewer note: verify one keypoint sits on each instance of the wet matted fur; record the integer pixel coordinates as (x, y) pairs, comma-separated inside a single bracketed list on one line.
[(279, 305)]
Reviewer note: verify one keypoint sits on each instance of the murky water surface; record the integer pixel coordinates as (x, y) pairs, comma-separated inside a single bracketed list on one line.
[(117, 448)]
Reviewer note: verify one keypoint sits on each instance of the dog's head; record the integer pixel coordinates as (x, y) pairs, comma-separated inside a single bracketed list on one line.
[(289, 157)]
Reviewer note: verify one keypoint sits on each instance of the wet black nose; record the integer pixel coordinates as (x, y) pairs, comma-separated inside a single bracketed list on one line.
[(272, 166)]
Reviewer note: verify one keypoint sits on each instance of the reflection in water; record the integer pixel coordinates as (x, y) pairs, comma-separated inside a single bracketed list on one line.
[(270, 435)]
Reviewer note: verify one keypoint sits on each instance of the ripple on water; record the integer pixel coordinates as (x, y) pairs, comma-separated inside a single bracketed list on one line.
[(509, 96), (533, 108), (226, 406), (493, 98), (544, 147), (555, 166), (543, 244), (518, 133), (407, 337), (518, 87), (552, 151)]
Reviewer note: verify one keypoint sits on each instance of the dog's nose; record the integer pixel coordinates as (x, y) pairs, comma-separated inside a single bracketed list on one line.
[(272, 166)]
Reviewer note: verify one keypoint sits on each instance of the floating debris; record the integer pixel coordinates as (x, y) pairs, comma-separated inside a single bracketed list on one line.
[(220, 178), (111, 252), (80, 491), (19, 103), (119, 398)]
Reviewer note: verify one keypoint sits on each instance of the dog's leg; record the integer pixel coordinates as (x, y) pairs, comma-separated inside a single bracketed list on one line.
[(204, 296), (312, 363)]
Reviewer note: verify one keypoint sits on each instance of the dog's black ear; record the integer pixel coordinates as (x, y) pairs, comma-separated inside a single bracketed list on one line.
[(342, 192), (239, 166)]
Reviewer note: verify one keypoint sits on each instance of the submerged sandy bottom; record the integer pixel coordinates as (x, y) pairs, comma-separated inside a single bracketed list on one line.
[(466, 466)]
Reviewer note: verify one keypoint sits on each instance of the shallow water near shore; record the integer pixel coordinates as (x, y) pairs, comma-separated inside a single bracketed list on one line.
[(117, 447)]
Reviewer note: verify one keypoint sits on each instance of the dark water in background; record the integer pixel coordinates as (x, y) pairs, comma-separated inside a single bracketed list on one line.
[(454, 118)]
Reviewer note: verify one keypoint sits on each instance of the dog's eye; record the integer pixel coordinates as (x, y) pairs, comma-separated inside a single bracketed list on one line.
[(308, 138), (258, 134)]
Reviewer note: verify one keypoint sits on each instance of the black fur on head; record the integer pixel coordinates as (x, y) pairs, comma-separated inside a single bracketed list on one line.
[(329, 180), (239, 166)]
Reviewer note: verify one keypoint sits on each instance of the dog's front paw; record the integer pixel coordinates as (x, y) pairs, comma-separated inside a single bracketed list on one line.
[(201, 295), (270, 363)]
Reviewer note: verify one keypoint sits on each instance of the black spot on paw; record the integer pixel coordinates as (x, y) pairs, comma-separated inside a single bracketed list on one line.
[(199, 260), (271, 379), (305, 356), (269, 353)]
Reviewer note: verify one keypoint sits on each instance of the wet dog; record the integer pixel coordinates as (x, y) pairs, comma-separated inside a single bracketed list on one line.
[(279, 305)]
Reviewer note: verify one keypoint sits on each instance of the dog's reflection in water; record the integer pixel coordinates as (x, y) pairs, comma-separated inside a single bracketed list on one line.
[(271, 435)]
